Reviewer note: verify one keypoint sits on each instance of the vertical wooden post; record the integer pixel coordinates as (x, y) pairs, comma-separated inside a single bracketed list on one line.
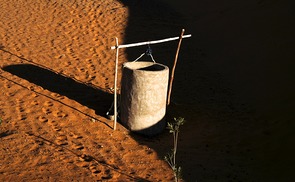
[(174, 65), (115, 86)]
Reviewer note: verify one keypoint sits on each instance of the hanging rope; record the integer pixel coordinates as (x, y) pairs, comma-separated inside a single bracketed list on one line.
[(148, 52), (139, 57)]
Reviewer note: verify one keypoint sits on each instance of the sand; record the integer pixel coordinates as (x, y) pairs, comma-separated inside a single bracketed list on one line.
[(234, 85)]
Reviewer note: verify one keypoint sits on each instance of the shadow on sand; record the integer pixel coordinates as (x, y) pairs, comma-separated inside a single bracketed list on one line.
[(86, 95), (222, 84)]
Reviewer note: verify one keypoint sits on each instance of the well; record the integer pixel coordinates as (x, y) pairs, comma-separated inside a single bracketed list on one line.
[(143, 96)]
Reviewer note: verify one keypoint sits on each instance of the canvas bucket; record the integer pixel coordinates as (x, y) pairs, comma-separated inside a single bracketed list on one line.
[(143, 96)]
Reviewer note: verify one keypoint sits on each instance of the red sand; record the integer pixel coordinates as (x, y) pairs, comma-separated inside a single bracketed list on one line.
[(234, 85)]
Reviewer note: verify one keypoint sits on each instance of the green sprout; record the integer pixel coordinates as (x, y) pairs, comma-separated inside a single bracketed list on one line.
[(170, 158)]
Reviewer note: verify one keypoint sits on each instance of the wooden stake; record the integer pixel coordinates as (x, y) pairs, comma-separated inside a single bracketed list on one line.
[(115, 86), (173, 69)]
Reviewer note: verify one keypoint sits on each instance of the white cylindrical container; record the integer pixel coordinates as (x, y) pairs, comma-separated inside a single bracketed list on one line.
[(143, 96)]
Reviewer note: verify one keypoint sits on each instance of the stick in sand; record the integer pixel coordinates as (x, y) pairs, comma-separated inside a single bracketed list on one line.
[(173, 69), (115, 86)]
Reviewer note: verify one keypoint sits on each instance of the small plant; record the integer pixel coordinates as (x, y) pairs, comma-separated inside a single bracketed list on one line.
[(170, 158)]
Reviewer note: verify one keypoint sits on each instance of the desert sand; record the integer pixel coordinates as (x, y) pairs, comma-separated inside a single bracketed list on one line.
[(234, 85)]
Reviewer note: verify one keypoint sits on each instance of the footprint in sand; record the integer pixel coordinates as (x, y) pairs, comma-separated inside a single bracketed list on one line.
[(60, 114), (35, 102), (78, 145), (21, 114), (97, 168), (46, 110), (56, 95), (10, 94), (90, 65), (48, 103), (54, 125), (107, 84), (75, 136), (7, 85), (39, 142), (22, 117), (93, 167), (91, 77), (67, 64), (56, 128), (42, 119), (81, 70), (31, 88), (34, 95), (61, 140), (107, 174)]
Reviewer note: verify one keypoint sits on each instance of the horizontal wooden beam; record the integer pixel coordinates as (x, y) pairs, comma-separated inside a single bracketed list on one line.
[(149, 42)]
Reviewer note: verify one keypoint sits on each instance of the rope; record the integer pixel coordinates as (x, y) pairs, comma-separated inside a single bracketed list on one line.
[(139, 57), (148, 52)]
